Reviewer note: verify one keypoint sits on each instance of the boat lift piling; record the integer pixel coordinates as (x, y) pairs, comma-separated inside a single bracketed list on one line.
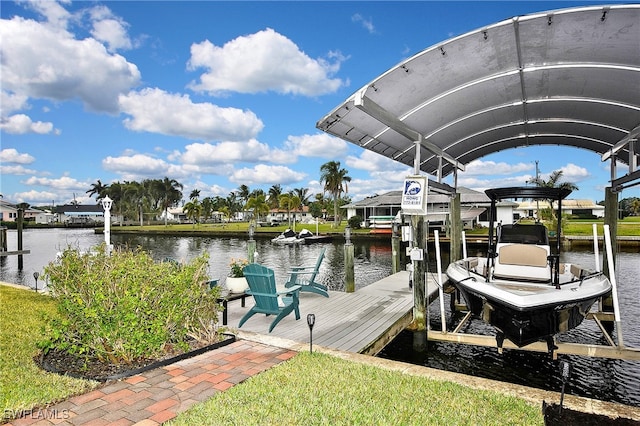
[(612, 350)]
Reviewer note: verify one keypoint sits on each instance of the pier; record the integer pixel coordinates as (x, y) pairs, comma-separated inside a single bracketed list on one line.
[(366, 320), (360, 322)]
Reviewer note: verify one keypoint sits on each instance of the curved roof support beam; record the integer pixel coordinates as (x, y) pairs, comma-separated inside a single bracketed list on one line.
[(366, 105)]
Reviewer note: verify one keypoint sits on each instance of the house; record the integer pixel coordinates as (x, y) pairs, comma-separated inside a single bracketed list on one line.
[(9, 212), (473, 204), (580, 208), (78, 214), (380, 210)]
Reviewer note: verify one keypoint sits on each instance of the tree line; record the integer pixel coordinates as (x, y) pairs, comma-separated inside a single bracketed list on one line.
[(151, 198)]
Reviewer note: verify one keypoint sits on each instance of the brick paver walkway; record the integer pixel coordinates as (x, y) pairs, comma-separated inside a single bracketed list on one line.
[(159, 395)]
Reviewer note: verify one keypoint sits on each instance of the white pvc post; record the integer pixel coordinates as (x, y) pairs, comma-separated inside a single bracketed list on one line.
[(464, 245), (614, 289), (595, 247), (440, 284)]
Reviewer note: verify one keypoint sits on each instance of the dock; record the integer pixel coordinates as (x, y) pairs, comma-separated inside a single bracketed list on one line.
[(360, 322)]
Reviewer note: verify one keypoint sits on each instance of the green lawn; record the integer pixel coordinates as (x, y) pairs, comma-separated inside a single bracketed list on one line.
[(319, 389), (308, 389), (23, 385)]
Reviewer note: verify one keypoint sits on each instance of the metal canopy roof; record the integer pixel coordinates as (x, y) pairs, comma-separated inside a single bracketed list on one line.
[(564, 77)]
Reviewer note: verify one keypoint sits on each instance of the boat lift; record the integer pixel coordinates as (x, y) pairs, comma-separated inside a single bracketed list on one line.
[(615, 349)]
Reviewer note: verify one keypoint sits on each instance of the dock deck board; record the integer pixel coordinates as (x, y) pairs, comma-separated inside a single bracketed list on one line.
[(345, 321)]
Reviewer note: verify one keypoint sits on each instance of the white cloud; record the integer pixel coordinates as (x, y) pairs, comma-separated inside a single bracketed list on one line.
[(263, 174), (20, 124), (156, 111), (10, 102), (366, 23), (573, 173), (16, 170), (41, 60), (11, 155), (64, 182), (56, 16), (111, 32), (320, 145), (206, 154), (373, 162), (34, 197), (261, 62), (140, 166)]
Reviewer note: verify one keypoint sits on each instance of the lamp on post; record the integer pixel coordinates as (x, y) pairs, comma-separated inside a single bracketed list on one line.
[(36, 275), (311, 320), (106, 205)]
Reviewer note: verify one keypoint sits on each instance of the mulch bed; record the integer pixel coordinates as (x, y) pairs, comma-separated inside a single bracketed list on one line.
[(65, 363), (554, 416)]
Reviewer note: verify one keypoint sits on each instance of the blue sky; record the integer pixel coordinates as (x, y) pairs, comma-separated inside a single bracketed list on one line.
[(220, 94)]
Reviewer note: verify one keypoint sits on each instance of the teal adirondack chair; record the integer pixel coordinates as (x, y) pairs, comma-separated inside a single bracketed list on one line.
[(305, 277), (269, 301)]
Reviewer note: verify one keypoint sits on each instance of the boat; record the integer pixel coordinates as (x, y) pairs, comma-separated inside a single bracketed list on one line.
[(520, 287), (290, 237)]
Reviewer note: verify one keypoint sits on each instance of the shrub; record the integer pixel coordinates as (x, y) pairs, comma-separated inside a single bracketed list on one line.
[(355, 221), (125, 307)]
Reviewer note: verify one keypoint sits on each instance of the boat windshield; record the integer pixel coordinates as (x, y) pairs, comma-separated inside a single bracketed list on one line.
[(524, 234)]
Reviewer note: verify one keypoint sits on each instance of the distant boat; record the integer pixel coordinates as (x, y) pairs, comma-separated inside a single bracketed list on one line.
[(290, 237), (521, 288)]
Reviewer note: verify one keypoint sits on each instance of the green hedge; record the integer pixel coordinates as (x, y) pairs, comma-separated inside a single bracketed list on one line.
[(124, 306)]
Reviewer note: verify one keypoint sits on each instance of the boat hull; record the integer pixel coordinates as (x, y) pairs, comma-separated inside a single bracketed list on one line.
[(527, 312), (529, 326)]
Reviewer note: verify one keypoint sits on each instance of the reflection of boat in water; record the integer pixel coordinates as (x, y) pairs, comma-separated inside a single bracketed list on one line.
[(290, 237), (521, 288)]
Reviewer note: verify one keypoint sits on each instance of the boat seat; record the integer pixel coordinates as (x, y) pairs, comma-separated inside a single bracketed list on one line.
[(523, 262)]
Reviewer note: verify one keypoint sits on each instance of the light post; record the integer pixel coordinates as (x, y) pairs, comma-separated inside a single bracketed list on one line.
[(106, 205), (36, 275), (349, 270), (311, 320), (565, 368)]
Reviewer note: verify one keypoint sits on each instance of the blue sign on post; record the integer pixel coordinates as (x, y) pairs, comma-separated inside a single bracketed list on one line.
[(414, 195)]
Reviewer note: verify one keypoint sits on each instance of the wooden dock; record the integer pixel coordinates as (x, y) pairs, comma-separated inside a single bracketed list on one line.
[(360, 322)]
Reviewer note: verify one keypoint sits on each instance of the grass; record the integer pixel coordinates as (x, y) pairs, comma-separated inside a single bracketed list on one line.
[(308, 389), (23, 385), (627, 227), (319, 389)]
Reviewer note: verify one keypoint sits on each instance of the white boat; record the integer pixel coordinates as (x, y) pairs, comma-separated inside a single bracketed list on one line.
[(290, 237), (520, 287)]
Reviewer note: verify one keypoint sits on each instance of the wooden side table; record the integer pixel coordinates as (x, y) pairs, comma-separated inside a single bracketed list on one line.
[(226, 297)]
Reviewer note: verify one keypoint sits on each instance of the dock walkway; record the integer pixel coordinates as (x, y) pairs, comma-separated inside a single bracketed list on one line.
[(359, 322)]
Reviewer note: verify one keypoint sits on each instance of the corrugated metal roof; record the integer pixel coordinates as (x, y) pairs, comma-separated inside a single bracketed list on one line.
[(565, 77)]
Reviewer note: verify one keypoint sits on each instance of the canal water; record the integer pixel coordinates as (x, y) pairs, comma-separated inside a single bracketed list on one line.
[(604, 379)]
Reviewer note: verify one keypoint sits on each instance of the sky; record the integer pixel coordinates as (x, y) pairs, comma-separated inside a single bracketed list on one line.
[(222, 94)]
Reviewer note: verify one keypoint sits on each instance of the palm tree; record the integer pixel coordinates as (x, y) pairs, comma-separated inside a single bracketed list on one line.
[(259, 205), (171, 194), (335, 182), (193, 209), (194, 194), (553, 182), (274, 196), (97, 189), (303, 194)]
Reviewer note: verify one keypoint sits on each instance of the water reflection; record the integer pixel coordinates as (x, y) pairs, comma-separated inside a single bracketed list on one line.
[(372, 262), (608, 380)]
